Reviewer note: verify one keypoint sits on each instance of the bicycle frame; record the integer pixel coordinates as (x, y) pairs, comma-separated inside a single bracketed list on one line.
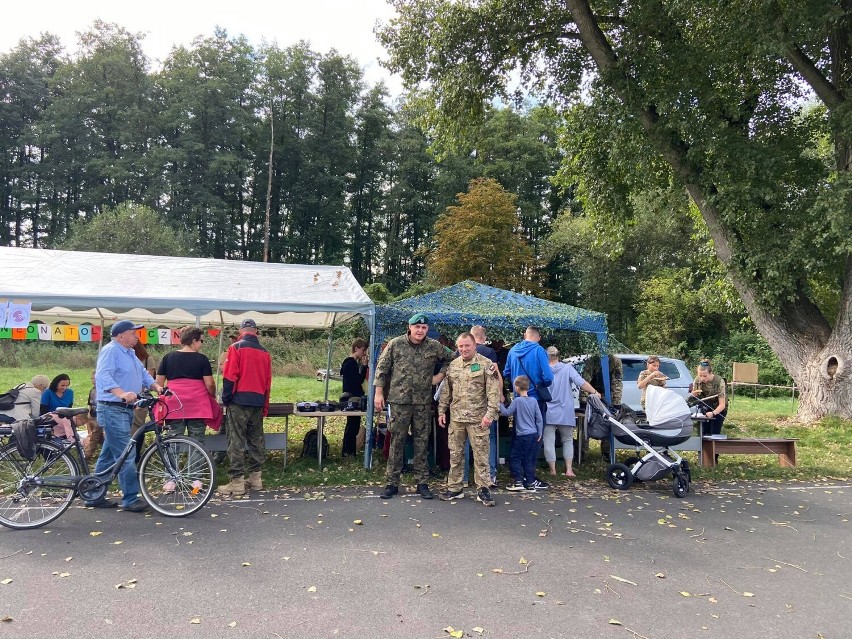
[(107, 475)]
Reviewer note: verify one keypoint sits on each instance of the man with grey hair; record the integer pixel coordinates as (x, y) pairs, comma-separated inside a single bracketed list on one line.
[(28, 403)]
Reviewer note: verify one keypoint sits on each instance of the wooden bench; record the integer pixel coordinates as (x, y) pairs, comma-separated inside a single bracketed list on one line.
[(272, 441), (784, 448)]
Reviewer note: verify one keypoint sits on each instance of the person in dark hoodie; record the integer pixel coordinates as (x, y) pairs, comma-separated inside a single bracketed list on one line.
[(529, 358)]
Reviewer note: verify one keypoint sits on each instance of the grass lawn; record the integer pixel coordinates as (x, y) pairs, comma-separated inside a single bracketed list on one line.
[(824, 449)]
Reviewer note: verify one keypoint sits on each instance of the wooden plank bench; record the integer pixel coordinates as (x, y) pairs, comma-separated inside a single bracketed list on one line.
[(784, 448), (272, 441)]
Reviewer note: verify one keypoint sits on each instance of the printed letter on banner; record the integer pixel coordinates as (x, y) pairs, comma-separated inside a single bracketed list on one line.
[(32, 331), (85, 332), (175, 336), (72, 333), (5, 333), (44, 332), (58, 333), (143, 336), (153, 335), (97, 333), (19, 333), (165, 336)]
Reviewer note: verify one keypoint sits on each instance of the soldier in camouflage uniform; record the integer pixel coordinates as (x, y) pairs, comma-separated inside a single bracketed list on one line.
[(404, 379), (472, 393), (593, 374)]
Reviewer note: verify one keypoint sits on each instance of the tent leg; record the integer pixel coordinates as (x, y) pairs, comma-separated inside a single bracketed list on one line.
[(328, 360)]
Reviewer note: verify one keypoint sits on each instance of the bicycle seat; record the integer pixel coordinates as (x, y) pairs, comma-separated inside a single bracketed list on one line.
[(71, 412)]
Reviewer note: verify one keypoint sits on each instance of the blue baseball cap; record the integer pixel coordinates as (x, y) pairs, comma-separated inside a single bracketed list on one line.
[(124, 325)]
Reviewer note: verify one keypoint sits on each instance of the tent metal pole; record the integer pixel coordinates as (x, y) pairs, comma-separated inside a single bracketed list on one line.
[(328, 360), (219, 354), (101, 340), (374, 356)]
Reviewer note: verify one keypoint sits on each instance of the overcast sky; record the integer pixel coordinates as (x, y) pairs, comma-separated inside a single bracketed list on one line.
[(346, 25)]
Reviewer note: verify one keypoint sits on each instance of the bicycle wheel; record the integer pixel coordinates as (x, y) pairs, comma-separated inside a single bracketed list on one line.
[(179, 482), (25, 502)]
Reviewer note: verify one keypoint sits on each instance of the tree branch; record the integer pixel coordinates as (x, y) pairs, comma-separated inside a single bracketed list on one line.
[(801, 321), (822, 86)]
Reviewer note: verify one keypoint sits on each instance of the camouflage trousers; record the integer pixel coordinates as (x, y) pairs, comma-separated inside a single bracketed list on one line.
[(417, 418), (481, 446), (245, 439)]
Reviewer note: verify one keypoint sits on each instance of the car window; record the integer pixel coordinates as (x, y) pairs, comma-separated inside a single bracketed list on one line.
[(632, 368), (669, 370)]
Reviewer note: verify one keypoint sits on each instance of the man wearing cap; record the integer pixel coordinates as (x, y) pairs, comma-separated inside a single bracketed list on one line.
[(404, 379), (119, 378), (246, 385)]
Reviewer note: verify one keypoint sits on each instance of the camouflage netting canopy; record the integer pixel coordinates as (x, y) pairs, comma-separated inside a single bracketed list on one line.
[(504, 314)]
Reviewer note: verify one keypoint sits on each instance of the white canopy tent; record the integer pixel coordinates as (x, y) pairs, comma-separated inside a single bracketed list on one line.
[(100, 288), (151, 289)]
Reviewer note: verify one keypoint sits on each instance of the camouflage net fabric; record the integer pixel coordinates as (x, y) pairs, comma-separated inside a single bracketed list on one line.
[(503, 313)]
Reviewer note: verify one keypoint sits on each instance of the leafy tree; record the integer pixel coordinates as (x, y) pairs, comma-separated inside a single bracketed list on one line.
[(127, 228), (705, 97), (207, 123), (478, 240), (372, 144), (379, 293), (98, 127), (25, 76), (410, 209)]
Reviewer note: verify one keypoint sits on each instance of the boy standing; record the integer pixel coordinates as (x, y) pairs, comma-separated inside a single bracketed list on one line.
[(529, 426)]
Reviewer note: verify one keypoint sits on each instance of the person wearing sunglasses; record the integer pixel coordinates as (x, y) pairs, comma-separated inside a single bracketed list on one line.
[(189, 375)]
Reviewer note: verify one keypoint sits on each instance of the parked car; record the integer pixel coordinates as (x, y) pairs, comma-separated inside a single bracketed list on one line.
[(678, 373), (322, 373)]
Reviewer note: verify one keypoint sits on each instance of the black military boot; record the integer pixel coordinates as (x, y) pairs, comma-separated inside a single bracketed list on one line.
[(424, 492), (390, 491)]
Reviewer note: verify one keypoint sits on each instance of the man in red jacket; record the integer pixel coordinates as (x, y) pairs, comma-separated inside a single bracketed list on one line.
[(246, 384)]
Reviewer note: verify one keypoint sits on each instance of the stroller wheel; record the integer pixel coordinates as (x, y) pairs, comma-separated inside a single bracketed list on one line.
[(618, 476), (680, 485)]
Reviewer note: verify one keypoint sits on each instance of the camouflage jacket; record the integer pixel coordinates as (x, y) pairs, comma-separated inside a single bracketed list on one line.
[(713, 387), (469, 391), (592, 373), (405, 370)]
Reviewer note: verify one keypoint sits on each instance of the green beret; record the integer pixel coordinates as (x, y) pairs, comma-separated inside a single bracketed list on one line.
[(418, 318)]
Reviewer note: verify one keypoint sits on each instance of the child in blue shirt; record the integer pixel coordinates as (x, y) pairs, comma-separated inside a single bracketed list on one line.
[(528, 430)]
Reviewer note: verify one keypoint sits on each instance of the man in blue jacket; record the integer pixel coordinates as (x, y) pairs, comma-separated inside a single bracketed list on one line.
[(529, 358)]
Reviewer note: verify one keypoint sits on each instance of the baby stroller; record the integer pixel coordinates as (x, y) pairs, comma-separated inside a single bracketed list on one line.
[(669, 423)]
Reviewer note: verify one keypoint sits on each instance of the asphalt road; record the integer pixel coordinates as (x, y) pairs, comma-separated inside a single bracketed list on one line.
[(728, 561)]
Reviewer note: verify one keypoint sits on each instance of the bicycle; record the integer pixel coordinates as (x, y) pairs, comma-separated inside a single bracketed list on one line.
[(176, 475)]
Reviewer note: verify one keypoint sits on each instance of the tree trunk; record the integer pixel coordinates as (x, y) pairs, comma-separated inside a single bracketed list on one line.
[(817, 356)]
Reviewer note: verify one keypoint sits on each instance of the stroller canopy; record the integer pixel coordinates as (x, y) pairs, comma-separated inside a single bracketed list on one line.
[(664, 406)]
